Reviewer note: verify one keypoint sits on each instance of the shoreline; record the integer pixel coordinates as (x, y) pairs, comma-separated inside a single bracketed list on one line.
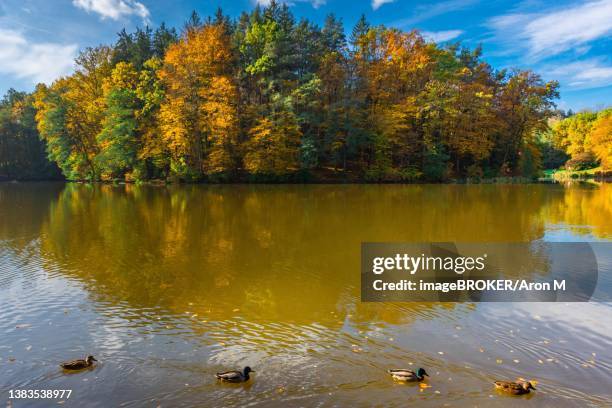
[(162, 182)]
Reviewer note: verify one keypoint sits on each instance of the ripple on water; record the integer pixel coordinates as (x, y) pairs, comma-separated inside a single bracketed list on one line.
[(162, 330)]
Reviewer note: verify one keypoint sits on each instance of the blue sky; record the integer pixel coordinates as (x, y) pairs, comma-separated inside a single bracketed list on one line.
[(570, 41)]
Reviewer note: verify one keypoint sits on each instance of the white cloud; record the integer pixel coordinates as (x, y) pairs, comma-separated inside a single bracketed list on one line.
[(547, 34), (114, 9), (37, 62), (441, 36), (591, 73), (377, 3), (314, 3), (427, 11)]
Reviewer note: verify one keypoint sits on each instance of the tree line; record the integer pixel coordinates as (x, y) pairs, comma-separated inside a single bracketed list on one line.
[(266, 97)]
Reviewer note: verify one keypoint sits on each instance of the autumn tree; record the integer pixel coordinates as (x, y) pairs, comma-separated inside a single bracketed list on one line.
[(198, 117), (272, 148), (601, 139), (393, 68), (523, 104), (572, 133)]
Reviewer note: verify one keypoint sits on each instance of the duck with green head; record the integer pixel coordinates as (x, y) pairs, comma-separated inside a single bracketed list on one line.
[(408, 375), (519, 387), (235, 376)]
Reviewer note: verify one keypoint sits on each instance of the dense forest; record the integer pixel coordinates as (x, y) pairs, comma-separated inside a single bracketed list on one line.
[(268, 98)]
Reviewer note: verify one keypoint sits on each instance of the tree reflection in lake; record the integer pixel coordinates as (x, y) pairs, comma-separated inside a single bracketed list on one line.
[(209, 276)]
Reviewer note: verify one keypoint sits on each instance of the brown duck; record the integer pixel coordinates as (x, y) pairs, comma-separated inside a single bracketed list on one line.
[(78, 364), (519, 387)]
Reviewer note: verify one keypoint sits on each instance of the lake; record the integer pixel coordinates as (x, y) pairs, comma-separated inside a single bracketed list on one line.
[(168, 285)]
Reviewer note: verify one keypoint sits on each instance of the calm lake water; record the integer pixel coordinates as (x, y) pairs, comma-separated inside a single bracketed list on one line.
[(167, 285)]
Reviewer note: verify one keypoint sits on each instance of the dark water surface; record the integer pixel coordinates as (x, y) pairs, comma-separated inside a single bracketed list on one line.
[(167, 285)]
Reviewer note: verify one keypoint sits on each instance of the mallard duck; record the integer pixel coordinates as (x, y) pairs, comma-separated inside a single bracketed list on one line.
[(408, 375), (519, 387), (78, 364), (235, 376)]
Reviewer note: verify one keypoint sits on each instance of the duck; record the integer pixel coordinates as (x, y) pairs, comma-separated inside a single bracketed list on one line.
[(519, 387), (408, 375), (235, 376), (78, 364)]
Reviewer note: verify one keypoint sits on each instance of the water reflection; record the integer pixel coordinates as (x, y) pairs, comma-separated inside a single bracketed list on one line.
[(256, 247), (169, 284)]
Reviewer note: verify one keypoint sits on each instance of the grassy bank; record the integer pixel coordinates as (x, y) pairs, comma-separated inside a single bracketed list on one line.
[(596, 173)]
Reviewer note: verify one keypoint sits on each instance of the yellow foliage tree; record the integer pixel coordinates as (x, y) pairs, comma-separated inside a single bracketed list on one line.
[(71, 112), (601, 140), (198, 118), (393, 67), (273, 145)]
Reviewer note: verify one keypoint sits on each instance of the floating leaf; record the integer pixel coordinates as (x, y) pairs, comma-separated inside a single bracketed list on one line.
[(499, 361)]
